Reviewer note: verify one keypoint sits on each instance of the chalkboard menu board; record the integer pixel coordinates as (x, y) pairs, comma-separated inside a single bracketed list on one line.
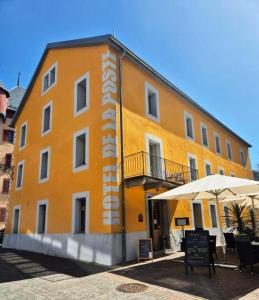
[(145, 249), (197, 249)]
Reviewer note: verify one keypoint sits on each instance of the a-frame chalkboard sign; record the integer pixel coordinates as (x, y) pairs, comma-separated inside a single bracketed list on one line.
[(145, 249)]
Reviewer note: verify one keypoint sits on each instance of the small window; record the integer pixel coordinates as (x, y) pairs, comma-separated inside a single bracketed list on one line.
[(42, 217), (229, 150), (217, 143), (221, 171), (152, 102), (8, 161), (49, 79), (46, 118), (227, 216), (80, 155), (19, 177), (23, 134), (207, 168), (242, 158), (204, 135), (213, 214), (8, 136), (80, 213), (44, 164), (81, 94), (2, 214), (16, 219), (6, 185), (189, 126), (193, 168)]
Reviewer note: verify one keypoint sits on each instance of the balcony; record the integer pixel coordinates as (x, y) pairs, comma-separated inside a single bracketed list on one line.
[(152, 171)]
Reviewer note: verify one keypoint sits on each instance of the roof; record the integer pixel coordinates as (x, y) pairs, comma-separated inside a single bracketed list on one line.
[(16, 95), (113, 42)]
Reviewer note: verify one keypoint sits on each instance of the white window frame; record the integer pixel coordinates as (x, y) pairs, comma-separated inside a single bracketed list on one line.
[(49, 104), (227, 142), (25, 124), (76, 196), (206, 162), (202, 213), (221, 169), (188, 115), (190, 155), (243, 163), (55, 65), (86, 108), (213, 202), (216, 134), (18, 207), (202, 125), (42, 202), (23, 166), (148, 87), (75, 135), (225, 221), (48, 149)]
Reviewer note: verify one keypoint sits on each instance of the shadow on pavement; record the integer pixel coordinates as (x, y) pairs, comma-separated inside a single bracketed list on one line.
[(19, 265)]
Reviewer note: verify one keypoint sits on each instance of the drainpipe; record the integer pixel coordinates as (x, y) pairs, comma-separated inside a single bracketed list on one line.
[(123, 211)]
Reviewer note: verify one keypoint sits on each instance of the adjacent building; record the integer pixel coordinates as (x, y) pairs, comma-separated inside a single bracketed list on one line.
[(68, 197)]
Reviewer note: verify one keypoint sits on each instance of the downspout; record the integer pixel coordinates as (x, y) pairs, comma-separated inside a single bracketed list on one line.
[(123, 211)]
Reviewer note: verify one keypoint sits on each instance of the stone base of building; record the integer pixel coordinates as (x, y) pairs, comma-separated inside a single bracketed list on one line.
[(100, 248)]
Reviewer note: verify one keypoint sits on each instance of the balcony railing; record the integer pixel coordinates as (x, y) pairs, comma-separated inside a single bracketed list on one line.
[(146, 164)]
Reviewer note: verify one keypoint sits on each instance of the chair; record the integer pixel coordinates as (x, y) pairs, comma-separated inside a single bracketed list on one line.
[(230, 240), (213, 239), (248, 254)]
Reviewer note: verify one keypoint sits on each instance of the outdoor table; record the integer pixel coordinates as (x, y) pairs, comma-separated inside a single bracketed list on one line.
[(255, 243)]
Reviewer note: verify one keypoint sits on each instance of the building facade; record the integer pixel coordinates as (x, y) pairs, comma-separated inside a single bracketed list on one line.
[(68, 197)]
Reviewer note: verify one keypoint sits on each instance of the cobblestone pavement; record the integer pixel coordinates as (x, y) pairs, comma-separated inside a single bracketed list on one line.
[(25, 275)]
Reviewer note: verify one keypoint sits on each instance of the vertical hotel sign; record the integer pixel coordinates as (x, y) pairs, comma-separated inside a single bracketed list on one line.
[(110, 190)]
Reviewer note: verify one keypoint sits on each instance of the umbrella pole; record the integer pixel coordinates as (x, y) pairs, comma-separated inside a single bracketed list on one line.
[(253, 204), (222, 239)]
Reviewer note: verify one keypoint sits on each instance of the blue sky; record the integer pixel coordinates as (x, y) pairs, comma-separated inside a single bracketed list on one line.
[(209, 49)]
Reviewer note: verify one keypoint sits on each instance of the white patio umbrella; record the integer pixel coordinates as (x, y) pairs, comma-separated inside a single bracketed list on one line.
[(212, 187)]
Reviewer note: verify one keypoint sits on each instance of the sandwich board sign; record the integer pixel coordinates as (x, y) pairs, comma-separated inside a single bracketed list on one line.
[(145, 249)]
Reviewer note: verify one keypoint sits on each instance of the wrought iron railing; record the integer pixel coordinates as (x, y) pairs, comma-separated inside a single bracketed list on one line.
[(146, 164)]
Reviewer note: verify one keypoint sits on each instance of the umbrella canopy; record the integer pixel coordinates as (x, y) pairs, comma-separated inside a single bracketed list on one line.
[(208, 187)]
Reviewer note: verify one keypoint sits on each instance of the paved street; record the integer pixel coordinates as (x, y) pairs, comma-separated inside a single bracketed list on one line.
[(25, 275)]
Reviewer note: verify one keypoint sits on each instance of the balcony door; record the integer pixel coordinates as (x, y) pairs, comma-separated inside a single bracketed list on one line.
[(154, 159)]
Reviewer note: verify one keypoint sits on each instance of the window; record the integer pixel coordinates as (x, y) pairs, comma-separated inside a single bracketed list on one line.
[(207, 168), (80, 212), (81, 94), (227, 216), (197, 215), (221, 171), (80, 150), (19, 177), (152, 102), (49, 79), (6, 184), (217, 143), (188, 126), (8, 161), (229, 150), (16, 219), (8, 136), (46, 118), (193, 167), (242, 158), (213, 215), (42, 216), (204, 135), (44, 165), (154, 148), (23, 134), (3, 214)]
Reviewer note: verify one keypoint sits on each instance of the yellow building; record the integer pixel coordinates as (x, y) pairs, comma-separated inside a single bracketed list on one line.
[(68, 196)]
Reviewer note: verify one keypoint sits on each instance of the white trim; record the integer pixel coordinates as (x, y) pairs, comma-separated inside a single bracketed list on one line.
[(55, 65), (42, 202), (75, 135), (23, 166), (149, 87), (243, 163), (25, 138), (86, 108), (75, 196), (203, 125), (190, 155), (16, 207), (215, 144), (206, 162), (49, 104), (188, 115), (41, 180), (221, 169), (213, 202), (202, 214), (227, 142)]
